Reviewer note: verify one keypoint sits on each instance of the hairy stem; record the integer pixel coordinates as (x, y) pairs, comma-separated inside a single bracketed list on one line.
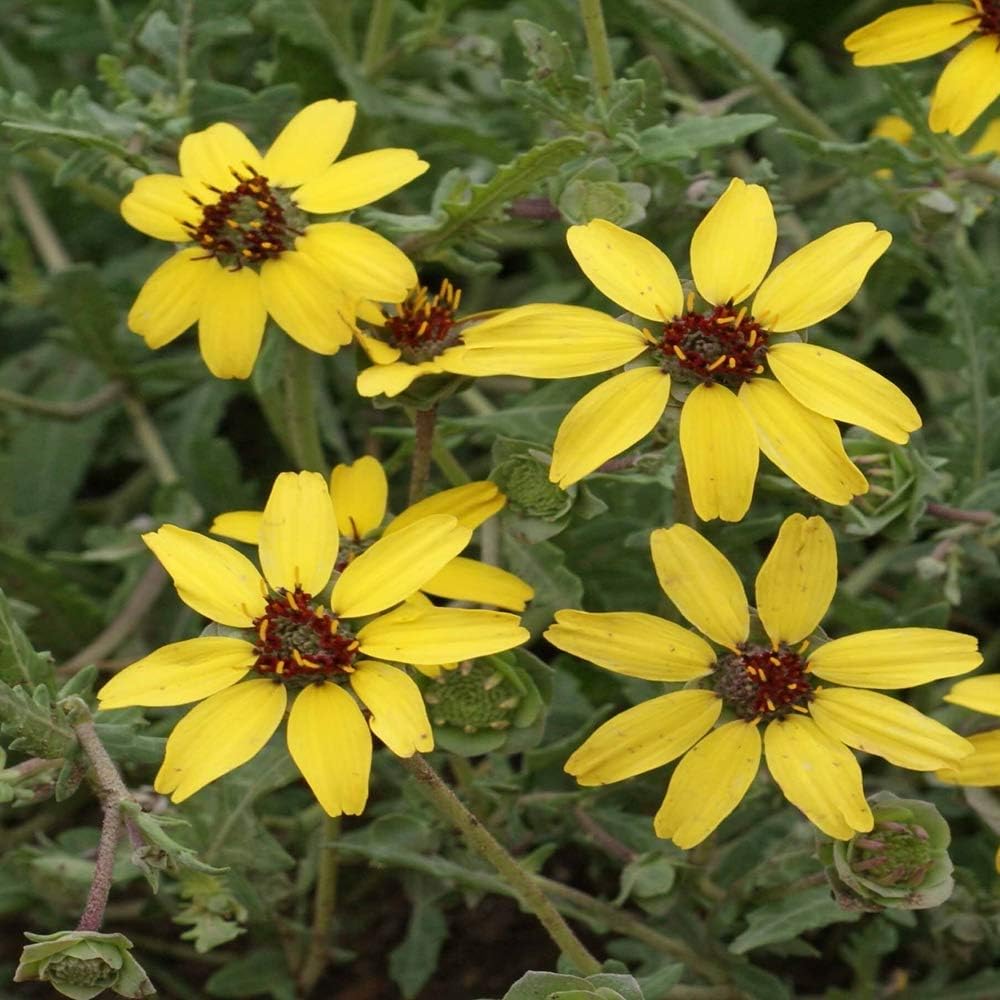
[(522, 882), (150, 441), (43, 235), (597, 43), (324, 903), (423, 446), (299, 398), (377, 36)]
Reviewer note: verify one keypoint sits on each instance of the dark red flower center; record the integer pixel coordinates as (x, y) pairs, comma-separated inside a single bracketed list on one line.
[(301, 642), (424, 326), (762, 683), (247, 225), (726, 345), (988, 16)]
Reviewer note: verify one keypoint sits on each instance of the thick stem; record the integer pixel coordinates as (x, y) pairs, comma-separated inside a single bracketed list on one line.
[(324, 903), (770, 86), (299, 400), (522, 882), (377, 37), (597, 43), (100, 886), (423, 445)]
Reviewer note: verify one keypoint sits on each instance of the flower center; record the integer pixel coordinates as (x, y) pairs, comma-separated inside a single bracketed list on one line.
[(762, 683), (247, 225), (423, 327), (725, 345), (300, 642), (988, 16)]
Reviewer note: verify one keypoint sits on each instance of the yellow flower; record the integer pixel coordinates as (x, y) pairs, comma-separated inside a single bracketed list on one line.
[(767, 687), (360, 495), (720, 353), (298, 645), (253, 250), (901, 131), (971, 80)]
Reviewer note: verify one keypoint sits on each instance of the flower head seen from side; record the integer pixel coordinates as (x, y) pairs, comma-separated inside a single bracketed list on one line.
[(971, 80), (723, 355), (766, 690), (332, 656), (252, 251), (360, 496)]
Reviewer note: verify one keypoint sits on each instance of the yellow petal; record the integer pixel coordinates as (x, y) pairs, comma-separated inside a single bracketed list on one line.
[(395, 567), (158, 204), (547, 341), (471, 504), (309, 143), (298, 533), (628, 269), (211, 577), (632, 643), (708, 784), (359, 180), (392, 379), (644, 737), (804, 445), (367, 265), (179, 673), (843, 389), (981, 694), (895, 657), (703, 585), (733, 245), (232, 321), (910, 33), (399, 718), (981, 769), (211, 156), (240, 525), (875, 723), (170, 300), (329, 741), (892, 127), (798, 579), (989, 141), (441, 635), (969, 84), (819, 775), (219, 735), (720, 451), (469, 580), (360, 492), (606, 421), (305, 303), (821, 278), (378, 351)]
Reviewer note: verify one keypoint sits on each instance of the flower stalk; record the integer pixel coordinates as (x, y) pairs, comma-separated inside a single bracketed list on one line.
[(603, 73), (424, 422)]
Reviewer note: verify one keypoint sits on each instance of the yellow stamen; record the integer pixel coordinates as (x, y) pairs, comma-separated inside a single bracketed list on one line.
[(752, 339), (297, 657), (290, 600), (800, 708), (770, 704), (456, 298), (740, 315), (725, 320), (803, 646), (690, 302), (732, 362), (279, 667), (775, 661), (232, 224), (718, 362), (262, 629), (758, 369), (422, 329), (680, 354)]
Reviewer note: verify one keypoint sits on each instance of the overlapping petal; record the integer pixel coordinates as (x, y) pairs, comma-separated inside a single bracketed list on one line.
[(179, 673), (171, 299), (721, 454), (392, 379), (632, 643), (981, 769), (360, 493), (359, 180), (399, 718), (470, 580), (240, 525), (607, 420), (643, 737), (910, 33), (709, 783), (628, 269), (158, 205), (231, 324), (969, 84), (309, 143), (211, 156), (981, 694), (798, 579), (471, 504), (702, 584)]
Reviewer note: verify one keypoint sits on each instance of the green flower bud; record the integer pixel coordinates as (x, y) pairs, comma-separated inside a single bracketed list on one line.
[(902, 863), (524, 478), (83, 964)]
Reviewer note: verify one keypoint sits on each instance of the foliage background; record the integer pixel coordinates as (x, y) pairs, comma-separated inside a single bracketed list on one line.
[(101, 439)]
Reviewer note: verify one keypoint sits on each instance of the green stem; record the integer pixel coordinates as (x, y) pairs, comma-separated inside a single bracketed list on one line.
[(377, 37), (597, 43), (100, 195), (299, 400), (522, 882), (62, 410), (324, 903), (43, 235), (149, 439), (683, 505), (449, 465), (769, 85), (424, 422)]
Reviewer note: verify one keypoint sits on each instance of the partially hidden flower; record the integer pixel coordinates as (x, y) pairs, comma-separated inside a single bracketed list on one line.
[(83, 964), (971, 80), (326, 653), (769, 688), (252, 249), (901, 131), (902, 863), (359, 493), (721, 355)]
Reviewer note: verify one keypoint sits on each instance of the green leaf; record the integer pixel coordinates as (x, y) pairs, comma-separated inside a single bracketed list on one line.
[(413, 961), (543, 565), (786, 918), (31, 725), (663, 143), (19, 663), (541, 986), (262, 971)]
